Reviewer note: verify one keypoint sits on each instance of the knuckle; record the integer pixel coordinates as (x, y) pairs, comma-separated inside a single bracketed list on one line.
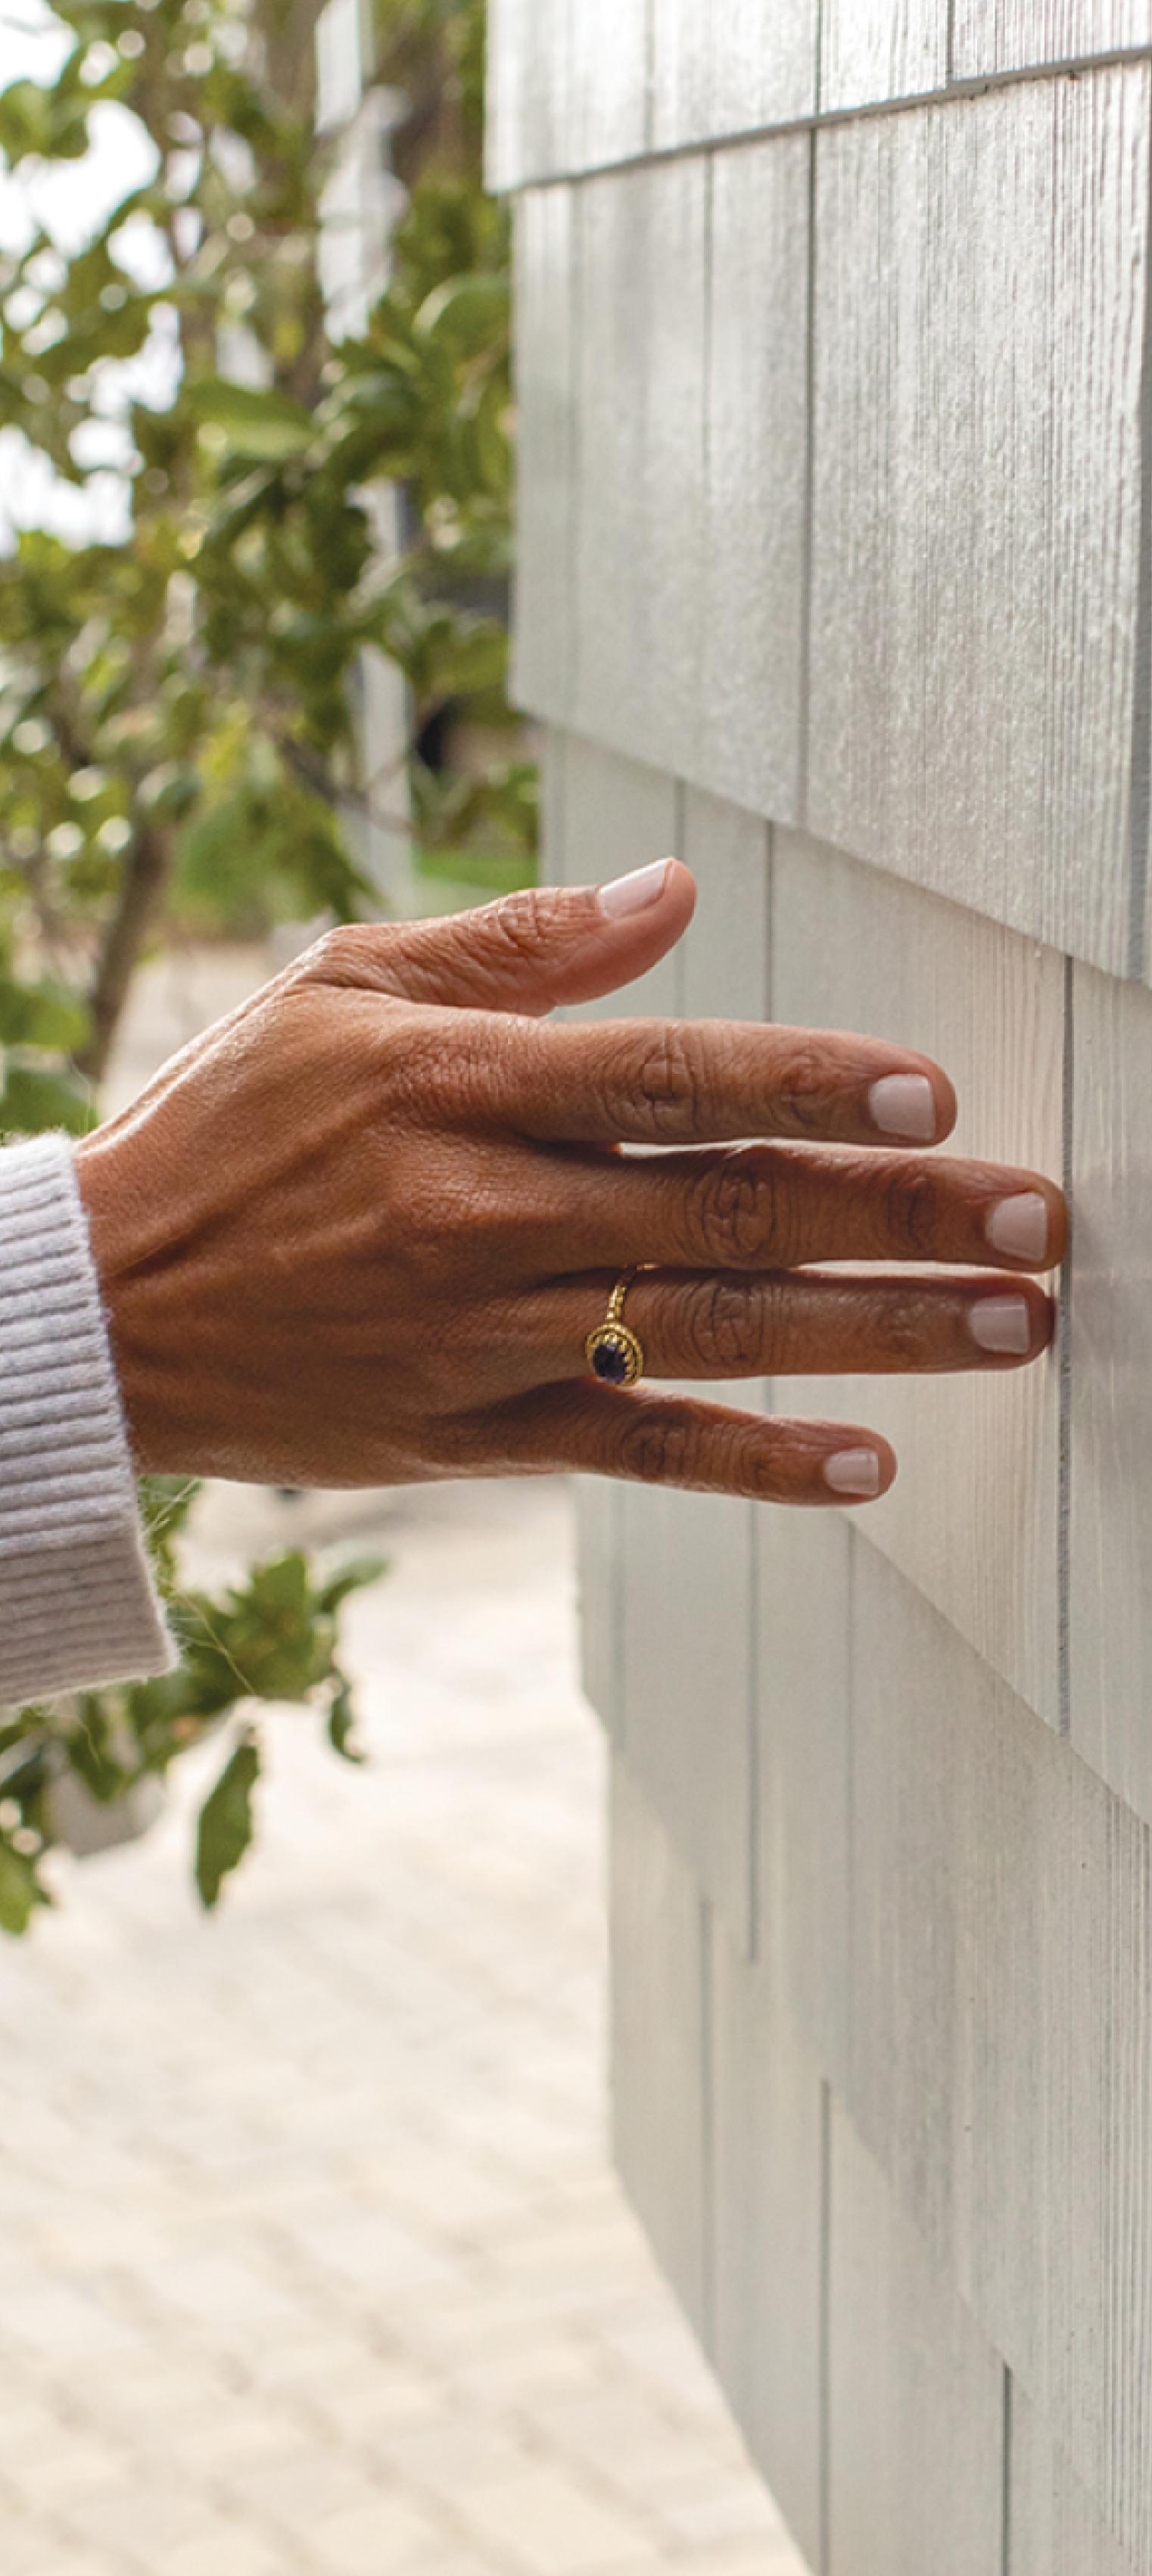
[(910, 1202), (802, 1093), (344, 955), (734, 1210), (726, 1324), (664, 1084), (521, 926), (906, 1331), (658, 1447)]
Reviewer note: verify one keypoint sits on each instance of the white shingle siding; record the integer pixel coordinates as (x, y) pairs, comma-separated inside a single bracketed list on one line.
[(835, 577)]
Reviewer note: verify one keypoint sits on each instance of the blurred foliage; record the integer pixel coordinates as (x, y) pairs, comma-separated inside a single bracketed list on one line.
[(271, 1638), (177, 699), (177, 718)]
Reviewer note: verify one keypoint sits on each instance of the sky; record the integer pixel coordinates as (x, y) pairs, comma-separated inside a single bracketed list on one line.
[(71, 198)]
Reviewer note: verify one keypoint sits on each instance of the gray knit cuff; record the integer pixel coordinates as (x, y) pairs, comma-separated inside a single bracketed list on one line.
[(77, 1601)]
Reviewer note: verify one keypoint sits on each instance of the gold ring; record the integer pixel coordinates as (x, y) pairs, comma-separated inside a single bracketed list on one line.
[(614, 1352)]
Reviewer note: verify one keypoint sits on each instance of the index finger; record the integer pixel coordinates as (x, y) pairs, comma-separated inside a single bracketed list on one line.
[(695, 1082)]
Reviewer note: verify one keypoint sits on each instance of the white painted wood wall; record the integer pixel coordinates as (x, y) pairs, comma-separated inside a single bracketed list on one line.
[(835, 530)]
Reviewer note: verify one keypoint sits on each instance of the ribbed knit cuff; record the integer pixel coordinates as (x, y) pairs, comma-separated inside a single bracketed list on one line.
[(77, 1602)]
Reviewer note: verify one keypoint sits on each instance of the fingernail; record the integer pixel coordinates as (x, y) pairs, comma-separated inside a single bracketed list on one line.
[(1019, 1227), (1001, 1324), (636, 892), (853, 1471), (904, 1104)]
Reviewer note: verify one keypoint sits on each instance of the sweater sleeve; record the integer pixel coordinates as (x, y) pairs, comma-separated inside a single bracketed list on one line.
[(77, 1602)]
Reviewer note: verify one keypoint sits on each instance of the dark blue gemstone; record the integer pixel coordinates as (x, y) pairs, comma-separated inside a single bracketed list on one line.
[(610, 1361)]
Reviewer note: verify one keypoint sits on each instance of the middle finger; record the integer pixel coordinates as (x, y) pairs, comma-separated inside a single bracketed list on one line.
[(771, 1207)]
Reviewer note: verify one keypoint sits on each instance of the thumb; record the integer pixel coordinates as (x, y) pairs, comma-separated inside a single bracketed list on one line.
[(543, 946)]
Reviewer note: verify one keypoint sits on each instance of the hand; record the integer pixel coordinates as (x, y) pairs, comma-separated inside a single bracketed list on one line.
[(358, 1232)]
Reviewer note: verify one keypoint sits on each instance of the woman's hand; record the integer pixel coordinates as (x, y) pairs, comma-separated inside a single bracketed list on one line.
[(359, 1232)]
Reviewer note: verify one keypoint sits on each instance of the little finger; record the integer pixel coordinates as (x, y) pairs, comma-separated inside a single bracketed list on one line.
[(676, 1440)]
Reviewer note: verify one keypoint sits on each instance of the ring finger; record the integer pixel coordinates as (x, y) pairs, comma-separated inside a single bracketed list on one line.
[(725, 1324)]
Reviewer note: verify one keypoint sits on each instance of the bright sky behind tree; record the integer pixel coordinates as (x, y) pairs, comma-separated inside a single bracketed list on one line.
[(71, 199)]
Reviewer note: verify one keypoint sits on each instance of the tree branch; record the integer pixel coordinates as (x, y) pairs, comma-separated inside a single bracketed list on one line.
[(147, 868)]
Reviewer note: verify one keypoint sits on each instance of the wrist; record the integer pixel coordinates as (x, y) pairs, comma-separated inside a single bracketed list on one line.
[(118, 1259)]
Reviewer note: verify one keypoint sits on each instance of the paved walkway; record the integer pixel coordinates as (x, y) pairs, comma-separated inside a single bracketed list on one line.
[(311, 2263)]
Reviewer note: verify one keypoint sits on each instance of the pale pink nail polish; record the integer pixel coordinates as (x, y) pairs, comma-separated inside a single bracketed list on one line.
[(855, 1472), (1019, 1227), (1001, 1324), (904, 1104), (634, 893)]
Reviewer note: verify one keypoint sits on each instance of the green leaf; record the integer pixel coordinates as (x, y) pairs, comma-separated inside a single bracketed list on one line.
[(351, 1577), (20, 1889), (44, 122), (341, 1726), (268, 1640), (256, 422), (226, 1822), (43, 1015), (267, 853), (31, 1102), (94, 1752), (493, 871), (471, 656), (467, 315)]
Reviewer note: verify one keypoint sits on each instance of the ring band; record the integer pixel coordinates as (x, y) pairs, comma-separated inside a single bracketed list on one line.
[(614, 1352)]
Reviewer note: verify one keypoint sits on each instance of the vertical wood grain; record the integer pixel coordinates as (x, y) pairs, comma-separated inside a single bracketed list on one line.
[(845, 1846), (916, 2411), (730, 71), (553, 806), (618, 814), (768, 2212), (973, 1516), (1112, 1384), (976, 511), (940, 1754), (1054, 2529), (804, 1773), (748, 739), (685, 43), (1012, 35), (725, 956), (687, 1664), (607, 116), (640, 566), (658, 2040), (1001, 2060), (527, 101), (880, 49), (545, 497), (1110, 1549), (600, 1577)]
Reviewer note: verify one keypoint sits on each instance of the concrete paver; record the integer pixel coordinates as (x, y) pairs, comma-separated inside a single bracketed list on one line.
[(312, 2263)]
